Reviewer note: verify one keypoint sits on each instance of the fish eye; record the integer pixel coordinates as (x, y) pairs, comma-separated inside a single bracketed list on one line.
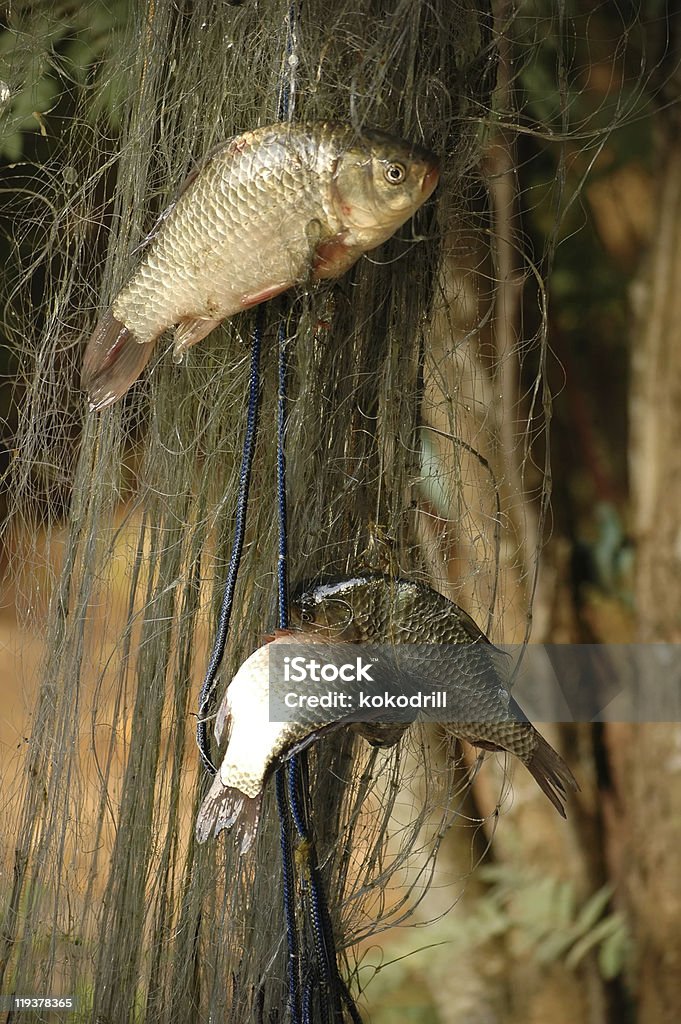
[(395, 173)]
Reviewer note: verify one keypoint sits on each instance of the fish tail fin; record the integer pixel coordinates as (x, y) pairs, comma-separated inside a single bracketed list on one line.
[(226, 808), (114, 359), (551, 773)]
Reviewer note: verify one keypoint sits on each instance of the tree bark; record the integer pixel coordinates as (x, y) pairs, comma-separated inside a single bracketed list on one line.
[(646, 757)]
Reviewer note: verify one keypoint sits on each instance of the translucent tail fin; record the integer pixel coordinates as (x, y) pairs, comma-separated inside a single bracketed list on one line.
[(228, 808), (113, 361)]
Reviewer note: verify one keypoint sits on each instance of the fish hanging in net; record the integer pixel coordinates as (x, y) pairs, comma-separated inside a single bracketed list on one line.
[(373, 609), (271, 208)]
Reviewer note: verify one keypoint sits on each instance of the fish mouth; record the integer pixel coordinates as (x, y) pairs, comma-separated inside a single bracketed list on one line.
[(430, 180)]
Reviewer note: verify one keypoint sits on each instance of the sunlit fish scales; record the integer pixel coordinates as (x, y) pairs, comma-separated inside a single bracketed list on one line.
[(270, 208)]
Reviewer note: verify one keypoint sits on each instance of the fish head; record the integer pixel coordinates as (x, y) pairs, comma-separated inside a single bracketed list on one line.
[(333, 617), (379, 183), (344, 608)]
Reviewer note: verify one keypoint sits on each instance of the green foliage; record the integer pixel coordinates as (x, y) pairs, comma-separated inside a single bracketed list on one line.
[(544, 919), (398, 981), (409, 1002), (538, 917), (49, 55)]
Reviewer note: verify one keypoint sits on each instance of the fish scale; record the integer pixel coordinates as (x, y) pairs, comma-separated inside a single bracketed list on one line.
[(269, 209), (223, 210), (475, 679), (442, 647)]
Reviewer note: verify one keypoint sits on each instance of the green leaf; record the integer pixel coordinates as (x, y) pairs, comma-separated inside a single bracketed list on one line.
[(607, 927), (39, 97), (614, 952), (593, 910), (79, 55)]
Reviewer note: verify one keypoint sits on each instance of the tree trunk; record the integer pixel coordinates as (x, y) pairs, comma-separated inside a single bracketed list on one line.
[(646, 758)]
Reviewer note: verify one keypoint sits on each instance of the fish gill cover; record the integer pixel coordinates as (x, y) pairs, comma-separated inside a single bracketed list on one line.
[(416, 445)]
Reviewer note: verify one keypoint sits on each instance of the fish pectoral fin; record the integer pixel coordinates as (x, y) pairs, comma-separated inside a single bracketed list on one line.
[(334, 256), (313, 736), (370, 728), (307, 741), (228, 809), (189, 332), (114, 359), (255, 298), (299, 269), (485, 745)]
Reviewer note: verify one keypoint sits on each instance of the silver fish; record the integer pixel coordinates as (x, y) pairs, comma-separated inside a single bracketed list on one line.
[(269, 209)]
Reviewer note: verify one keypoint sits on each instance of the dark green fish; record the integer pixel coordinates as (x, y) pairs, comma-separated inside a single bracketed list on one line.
[(370, 608), (377, 609)]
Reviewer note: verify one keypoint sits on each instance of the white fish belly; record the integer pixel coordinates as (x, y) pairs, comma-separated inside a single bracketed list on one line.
[(254, 741), (250, 754)]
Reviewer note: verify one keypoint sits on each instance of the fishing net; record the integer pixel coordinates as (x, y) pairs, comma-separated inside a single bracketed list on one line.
[(415, 445)]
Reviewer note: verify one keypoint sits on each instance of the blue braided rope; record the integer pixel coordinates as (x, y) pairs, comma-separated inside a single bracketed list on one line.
[(322, 931), (282, 559), (295, 766), (289, 901), (207, 693), (284, 111), (307, 1002)]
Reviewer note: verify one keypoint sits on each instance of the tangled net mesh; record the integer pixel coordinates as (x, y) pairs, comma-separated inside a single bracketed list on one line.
[(401, 457)]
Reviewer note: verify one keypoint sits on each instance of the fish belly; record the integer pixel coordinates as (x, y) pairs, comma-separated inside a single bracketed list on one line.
[(251, 751)]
